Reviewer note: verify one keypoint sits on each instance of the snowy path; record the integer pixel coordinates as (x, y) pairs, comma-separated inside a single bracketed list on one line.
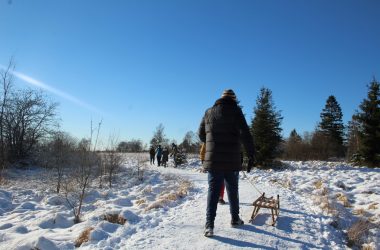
[(297, 227)]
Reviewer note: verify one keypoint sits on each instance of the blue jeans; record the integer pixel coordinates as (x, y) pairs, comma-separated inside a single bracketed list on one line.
[(215, 180)]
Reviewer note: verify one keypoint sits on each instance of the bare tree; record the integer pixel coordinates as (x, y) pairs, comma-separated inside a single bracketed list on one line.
[(61, 150), (28, 119), (101, 170), (6, 82), (191, 142), (78, 182), (112, 159)]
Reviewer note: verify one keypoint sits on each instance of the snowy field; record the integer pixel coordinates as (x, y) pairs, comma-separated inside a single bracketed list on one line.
[(320, 203)]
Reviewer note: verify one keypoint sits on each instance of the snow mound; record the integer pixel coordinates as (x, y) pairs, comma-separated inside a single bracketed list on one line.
[(6, 226), (20, 230), (5, 201), (98, 235), (60, 220), (5, 206), (123, 202), (54, 200), (45, 244), (27, 206), (130, 216), (92, 196), (109, 227), (5, 195)]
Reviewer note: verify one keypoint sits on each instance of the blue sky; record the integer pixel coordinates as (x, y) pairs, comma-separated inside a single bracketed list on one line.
[(136, 64)]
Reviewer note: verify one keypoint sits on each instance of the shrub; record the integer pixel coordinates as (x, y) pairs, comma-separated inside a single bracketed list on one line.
[(357, 232)]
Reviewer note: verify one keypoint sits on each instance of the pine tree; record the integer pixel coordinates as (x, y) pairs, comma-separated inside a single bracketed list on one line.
[(369, 125), (294, 136), (293, 146), (265, 128), (332, 128)]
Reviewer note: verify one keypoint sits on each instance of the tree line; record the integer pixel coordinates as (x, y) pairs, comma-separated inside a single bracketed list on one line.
[(28, 121), (357, 142)]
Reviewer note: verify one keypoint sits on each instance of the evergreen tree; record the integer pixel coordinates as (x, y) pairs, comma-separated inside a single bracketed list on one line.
[(159, 137), (332, 127), (293, 147), (265, 128), (294, 136), (369, 125)]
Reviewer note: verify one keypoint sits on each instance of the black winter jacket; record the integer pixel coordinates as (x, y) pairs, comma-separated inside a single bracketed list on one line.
[(223, 129)]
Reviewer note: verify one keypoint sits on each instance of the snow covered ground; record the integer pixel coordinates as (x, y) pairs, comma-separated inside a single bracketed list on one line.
[(319, 202)]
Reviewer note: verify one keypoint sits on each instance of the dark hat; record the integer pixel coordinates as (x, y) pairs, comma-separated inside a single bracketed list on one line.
[(229, 93)]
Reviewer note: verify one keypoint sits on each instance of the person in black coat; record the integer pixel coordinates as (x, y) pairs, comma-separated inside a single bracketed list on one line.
[(152, 153), (223, 128), (165, 156), (159, 154)]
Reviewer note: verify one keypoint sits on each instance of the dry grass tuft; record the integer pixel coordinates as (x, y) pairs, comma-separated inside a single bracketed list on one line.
[(359, 211), (342, 198), (286, 183), (357, 232), (171, 196), (83, 237), (328, 206), (373, 206), (373, 219), (155, 205), (368, 246), (318, 184), (184, 187), (140, 202), (325, 202), (114, 218), (325, 191)]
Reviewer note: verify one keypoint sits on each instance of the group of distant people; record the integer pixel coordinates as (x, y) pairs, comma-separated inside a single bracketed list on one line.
[(162, 154)]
